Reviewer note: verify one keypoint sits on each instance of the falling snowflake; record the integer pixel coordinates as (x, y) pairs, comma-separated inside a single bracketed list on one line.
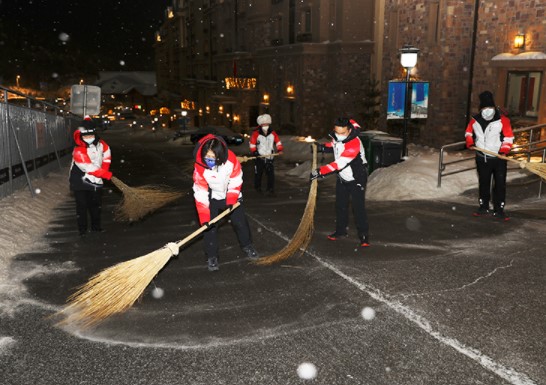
[(307, 371), (368, 313)]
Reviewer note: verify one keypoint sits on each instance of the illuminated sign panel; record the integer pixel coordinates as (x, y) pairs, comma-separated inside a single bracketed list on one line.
[(240, 83)]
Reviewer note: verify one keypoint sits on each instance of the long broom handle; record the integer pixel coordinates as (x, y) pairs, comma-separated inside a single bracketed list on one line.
[(204, 227), (243, 159), (495, 154)]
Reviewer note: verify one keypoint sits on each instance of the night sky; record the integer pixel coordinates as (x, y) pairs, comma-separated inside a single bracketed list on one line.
[(57, 40)]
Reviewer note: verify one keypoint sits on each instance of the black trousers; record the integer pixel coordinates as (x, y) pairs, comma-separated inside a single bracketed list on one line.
[(261, 165), (496, 168), (238, 221), (88, 201), (355, 193)]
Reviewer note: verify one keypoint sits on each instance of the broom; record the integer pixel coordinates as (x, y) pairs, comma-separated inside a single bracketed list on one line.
[(138, 202), (534, 167), (243, 159), (115, 289), (303, 234)]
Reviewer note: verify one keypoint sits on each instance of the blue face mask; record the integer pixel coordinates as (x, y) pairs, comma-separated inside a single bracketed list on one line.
[(210, 162)]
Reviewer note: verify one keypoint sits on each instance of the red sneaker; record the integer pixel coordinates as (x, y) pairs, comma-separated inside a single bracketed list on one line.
[(364, 242), (336, 236)]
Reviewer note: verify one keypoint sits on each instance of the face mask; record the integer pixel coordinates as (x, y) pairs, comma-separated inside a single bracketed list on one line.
[(341, 137), (265, 128), (488, 113), (89, 140), (210, 162)]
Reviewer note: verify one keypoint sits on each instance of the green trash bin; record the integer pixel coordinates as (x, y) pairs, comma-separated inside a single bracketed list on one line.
[(386, 150), (366, 137)]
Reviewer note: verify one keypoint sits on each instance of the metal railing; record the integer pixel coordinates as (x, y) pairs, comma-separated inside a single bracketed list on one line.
[(526, 146)]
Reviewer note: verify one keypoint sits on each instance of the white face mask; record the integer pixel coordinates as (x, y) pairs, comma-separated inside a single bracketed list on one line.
[(341, 137), (488, 113), (89, 140), (265, 128)]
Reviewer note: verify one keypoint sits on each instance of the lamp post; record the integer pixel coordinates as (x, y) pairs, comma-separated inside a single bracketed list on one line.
[(17, 80), (184, 114), (408, 59)]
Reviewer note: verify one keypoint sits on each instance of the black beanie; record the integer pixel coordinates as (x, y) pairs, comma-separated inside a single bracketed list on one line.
[(486, 99)]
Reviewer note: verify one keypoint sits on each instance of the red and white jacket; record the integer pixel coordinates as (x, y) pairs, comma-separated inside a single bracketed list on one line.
[(220, 182), (266, 143), (350, 160), (90, 163), (495, 135)]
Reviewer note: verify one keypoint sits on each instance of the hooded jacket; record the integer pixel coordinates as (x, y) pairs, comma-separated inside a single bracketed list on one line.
[(350, 161), (265, 142), (90, 163), (222, 181), (494, 135)]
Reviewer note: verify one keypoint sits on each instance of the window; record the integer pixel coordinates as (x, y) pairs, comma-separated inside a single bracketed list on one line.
[(522, 94), (434, 20)]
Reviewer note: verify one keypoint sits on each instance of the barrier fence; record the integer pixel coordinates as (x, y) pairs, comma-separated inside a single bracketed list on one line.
[(35, 139)]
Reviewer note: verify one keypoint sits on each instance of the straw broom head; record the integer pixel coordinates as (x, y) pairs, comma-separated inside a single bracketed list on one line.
[(117, 288), (138, 202), (536, 168), (299, 242), (113, 290)]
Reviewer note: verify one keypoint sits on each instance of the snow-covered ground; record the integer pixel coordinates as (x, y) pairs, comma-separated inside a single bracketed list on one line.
[(25, 219)]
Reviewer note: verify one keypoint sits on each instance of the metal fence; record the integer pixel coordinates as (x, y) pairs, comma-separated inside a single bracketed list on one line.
[(35, 138), (528, 144)]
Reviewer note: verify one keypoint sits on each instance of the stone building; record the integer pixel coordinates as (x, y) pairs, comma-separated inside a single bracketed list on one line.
[(467, 47), (226, 61)]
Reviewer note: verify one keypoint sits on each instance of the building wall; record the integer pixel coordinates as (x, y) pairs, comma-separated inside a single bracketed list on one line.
[(326, 62), (443, 30)]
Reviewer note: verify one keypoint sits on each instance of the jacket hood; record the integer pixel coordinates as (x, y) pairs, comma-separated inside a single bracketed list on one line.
[(79, 141), (200, 144)]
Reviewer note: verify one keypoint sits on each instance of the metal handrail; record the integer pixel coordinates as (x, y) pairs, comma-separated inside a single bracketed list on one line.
[(528, 149)]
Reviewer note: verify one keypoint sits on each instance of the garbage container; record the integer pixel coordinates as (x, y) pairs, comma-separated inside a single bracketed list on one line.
[(386, 150), (366, 137)]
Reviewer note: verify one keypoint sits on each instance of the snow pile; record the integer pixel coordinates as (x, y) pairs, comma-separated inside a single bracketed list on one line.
[(417, 178), (413, 179)]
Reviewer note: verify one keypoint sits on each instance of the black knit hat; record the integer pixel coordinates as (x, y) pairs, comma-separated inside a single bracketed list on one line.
[(486, 100)]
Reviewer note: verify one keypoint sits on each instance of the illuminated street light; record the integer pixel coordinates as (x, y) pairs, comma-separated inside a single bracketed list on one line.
[(408, 59), (17, 79)]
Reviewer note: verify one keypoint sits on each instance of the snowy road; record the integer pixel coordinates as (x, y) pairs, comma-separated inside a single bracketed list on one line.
[(439, 298)]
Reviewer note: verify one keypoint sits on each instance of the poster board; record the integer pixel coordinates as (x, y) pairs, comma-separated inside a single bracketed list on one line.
[(397, 100)]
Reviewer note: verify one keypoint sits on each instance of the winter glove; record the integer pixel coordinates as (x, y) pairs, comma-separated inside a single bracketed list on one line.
[(504, 150), (255, 153), (173, 248), (208, 225), (469, 142), (315, 174)]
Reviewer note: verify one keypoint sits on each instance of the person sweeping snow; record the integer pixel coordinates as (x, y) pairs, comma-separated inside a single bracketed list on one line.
[(491, 131), (218, 179), (352, 176), (264, 143), (91, 160)]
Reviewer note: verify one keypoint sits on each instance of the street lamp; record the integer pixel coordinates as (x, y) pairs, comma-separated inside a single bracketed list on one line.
[(184, 114), (17, 80), (408, 59)]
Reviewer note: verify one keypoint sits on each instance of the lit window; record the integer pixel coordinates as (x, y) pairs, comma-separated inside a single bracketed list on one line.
[(522, 94)]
